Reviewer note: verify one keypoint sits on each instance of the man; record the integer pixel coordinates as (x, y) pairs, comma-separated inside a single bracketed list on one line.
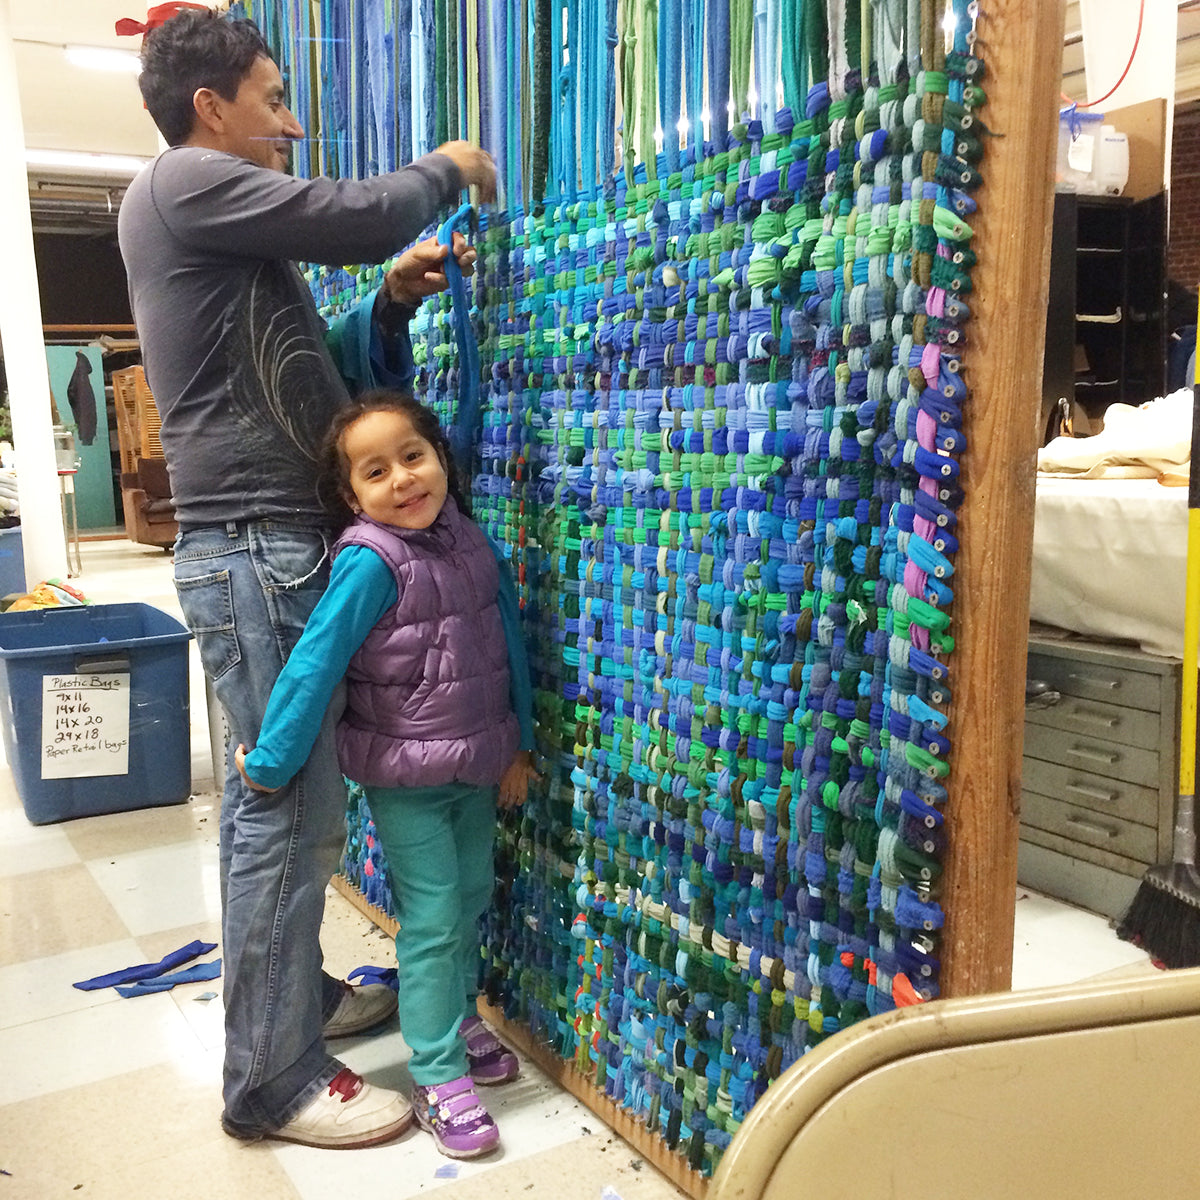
[(235, 354)]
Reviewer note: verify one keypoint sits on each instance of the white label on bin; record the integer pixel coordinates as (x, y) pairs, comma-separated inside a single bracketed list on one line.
[(1079, 153), (85, 725)]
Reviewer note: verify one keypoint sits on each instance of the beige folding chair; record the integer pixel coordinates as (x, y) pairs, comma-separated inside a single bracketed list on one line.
[(1087, 1090)]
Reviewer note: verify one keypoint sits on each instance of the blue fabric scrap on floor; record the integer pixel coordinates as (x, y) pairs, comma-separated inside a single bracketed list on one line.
[(164, 983), (149, 970), (369, 974)]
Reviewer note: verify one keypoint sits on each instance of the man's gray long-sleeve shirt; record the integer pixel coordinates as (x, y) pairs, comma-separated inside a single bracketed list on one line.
[(231, 341)]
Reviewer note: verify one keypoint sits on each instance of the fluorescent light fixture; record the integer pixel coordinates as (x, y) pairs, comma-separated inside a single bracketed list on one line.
[(103, 58), (88, 164)]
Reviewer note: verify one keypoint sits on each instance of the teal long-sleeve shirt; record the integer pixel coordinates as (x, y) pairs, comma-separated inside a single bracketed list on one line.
[(361, 589)]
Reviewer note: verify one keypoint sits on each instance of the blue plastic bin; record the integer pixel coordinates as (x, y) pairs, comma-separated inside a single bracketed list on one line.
[(12, 561), (97, 640)]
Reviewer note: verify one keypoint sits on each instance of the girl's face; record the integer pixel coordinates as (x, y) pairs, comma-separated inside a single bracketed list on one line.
[(395, 475)]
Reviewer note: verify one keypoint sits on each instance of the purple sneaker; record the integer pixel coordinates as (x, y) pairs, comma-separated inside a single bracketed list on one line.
[(460, 1125), (489, 1060)]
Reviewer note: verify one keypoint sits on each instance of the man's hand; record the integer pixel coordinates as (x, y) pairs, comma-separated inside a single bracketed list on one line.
[(420, 271), (474, 165), (515, 781), (239, 759)]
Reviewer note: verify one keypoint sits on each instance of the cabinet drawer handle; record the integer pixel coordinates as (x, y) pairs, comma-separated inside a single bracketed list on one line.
[(1091, 718), (1091, 793), (1095, 756), (1111, 684), (1093, 827)]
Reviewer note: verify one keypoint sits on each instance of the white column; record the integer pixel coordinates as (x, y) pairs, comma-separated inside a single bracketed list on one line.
[(22, 341)]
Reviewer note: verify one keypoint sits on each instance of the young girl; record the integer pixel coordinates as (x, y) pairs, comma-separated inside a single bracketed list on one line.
[(420, 618)]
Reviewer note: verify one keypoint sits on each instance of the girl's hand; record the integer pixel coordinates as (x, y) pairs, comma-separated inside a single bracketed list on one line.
[(239, 761), (515, 781)]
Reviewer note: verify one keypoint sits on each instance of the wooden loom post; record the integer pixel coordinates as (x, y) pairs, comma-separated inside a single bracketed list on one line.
[(1020, 42)]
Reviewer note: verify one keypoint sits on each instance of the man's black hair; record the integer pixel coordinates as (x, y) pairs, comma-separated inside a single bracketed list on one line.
[(190, 51)]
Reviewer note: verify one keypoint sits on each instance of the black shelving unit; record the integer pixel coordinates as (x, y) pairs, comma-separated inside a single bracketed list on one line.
[(1106, 317)]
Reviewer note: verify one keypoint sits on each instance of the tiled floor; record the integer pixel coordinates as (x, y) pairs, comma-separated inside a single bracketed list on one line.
[(109, 1098)]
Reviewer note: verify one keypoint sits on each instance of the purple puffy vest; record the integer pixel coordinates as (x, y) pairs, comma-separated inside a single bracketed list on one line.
[(427, 692)]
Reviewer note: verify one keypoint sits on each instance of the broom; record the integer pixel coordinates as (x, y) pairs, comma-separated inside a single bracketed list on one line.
[(1164, 918)]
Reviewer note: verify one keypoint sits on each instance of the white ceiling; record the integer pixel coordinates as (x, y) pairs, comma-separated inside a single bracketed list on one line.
[(65, 107)]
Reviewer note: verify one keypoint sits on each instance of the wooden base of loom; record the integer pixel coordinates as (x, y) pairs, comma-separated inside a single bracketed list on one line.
[(620, 1120), (375, 915)]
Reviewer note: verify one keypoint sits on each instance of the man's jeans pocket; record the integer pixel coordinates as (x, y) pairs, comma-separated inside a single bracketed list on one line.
[(207, 603)]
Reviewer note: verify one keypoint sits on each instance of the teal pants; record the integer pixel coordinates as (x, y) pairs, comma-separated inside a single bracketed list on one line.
[(438, 842)]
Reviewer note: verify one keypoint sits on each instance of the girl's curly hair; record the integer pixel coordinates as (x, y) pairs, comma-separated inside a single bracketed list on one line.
[(333, 478)]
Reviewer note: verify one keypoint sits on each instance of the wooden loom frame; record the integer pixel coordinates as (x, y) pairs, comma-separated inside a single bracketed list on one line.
[(1021, 43)]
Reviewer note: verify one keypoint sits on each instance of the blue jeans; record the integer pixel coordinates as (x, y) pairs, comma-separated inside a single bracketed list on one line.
[(438, 842), (246, 590)]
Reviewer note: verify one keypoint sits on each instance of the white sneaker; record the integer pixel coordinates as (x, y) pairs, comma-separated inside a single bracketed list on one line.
[(347, 1115), (360, 1009)]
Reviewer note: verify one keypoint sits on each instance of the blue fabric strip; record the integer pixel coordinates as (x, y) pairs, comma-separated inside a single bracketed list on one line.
[(164, 983), (362, 101), (428, 112), (692, 36), (372, 974), (516, 77), (501, 37), (590, 64), (608, 130), (416, 91), (718, 68), (766, 60), (458, 54), (147, 970), (670, 85), (341, 77), (306, 49), (568, 81), (483, 50), (374, 89), (554, 183), (402, 35), (462, 434)]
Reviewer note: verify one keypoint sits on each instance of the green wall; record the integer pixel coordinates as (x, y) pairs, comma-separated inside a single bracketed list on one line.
[(94, 482)]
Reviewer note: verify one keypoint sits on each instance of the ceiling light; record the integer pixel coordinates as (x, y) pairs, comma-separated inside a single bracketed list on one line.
[(103, 58), (90, 164)]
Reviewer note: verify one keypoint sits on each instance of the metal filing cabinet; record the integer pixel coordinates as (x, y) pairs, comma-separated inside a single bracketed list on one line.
[(1100, 772)]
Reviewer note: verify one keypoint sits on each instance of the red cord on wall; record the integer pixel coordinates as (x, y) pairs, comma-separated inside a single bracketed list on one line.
[(1132, 55)]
